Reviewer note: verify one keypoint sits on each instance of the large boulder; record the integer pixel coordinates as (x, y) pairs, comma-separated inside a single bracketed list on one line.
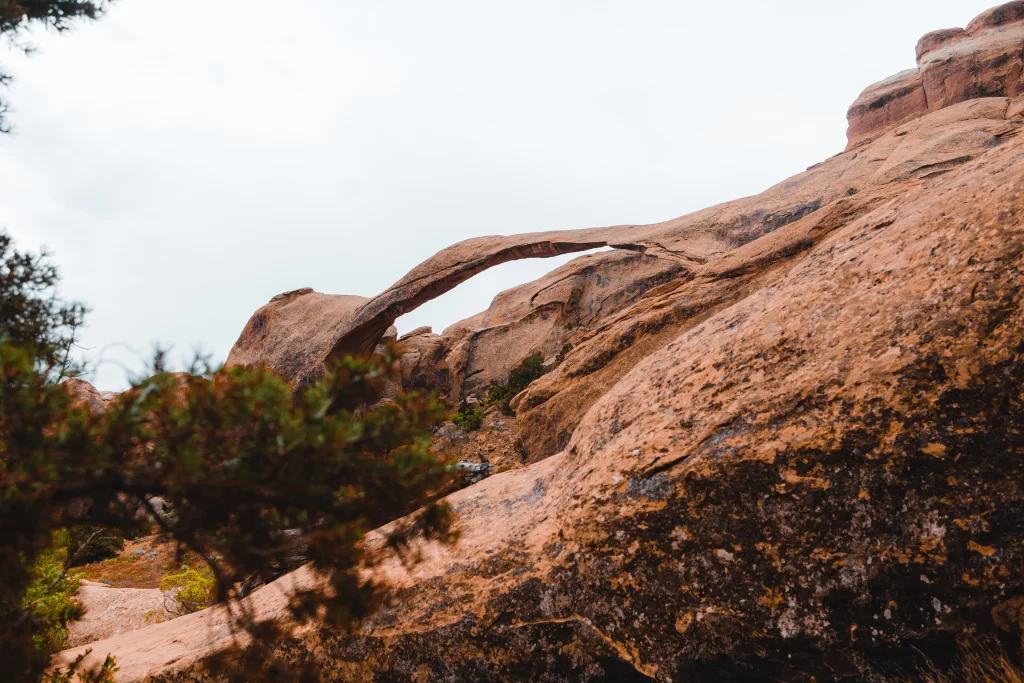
[(85, 395), (294, 333), (423, 362)]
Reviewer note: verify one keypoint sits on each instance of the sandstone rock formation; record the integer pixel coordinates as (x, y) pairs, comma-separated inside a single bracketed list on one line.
[(298, 331), (926, 148), (423, 361), (112, 611), (795, 452), (295, 332), (84, 394), (953, 65), (549, 315)]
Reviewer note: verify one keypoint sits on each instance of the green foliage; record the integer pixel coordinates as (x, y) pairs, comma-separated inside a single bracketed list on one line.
[(501, 393), (18, 15), (469, 419), (32, 318), (251, 470), (94, 543), (49, 597), (191, 590), (15, 15)]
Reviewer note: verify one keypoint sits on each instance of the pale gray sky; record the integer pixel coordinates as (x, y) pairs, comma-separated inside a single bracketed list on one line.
[(185, 165)]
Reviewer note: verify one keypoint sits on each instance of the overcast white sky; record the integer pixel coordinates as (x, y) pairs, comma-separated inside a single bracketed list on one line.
[(187, 164)]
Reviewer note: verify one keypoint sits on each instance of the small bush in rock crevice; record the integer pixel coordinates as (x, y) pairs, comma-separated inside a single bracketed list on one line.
[(469, 419), (501, 393)]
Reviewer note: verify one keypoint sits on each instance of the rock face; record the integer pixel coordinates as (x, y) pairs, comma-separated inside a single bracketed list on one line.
[(953, 65), (86, 395), (298, 331), (295, 332), (112, 611), (550, 315), (424, 362), (795, 452), (926, 148)]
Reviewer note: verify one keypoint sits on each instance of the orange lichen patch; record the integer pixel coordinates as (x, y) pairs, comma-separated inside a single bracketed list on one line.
[(985, 550), (936, 449), (791, 477), (825, 555), (684, 621), (1009, 614), (974, 583), (771, 599)]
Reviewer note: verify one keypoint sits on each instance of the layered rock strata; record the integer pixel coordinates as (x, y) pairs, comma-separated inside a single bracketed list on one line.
[(953, 65)]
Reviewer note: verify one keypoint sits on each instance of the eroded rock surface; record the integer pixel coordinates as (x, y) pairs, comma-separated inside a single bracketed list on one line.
[(953, 65), (295, 332), (798, 455), (84, 394), (549, 315), (875, 175), (298, 331), (980, 65), (113, 611)]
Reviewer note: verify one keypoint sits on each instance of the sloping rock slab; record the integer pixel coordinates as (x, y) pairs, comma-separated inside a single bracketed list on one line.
[(821, 479)]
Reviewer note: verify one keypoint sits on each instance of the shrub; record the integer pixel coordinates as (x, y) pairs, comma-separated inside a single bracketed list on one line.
[(17, 17), (188, 591), (469, 419), (50, 597), (94, 543), (251, 469), (501, 393)]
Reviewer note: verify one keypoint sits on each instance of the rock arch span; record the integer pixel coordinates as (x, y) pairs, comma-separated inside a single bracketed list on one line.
[(296, 332)]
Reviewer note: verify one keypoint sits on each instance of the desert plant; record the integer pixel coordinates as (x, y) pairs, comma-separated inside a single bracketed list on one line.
[(50, 597), (501, 392), (560, 358), (188, 591), (251, 469), (94, 543), (469, 419)]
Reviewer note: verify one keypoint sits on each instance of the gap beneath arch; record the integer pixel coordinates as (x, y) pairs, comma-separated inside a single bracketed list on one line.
[(476, 294)]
